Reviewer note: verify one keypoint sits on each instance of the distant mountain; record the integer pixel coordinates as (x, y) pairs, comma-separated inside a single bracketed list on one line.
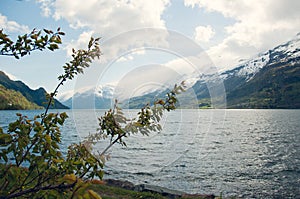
[(100, 97), (269, 80), (276, 85), (35, 96), (14, 100)]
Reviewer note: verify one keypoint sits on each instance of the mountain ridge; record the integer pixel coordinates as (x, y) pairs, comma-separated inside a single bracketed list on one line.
[(37, 96), (100, 97), (14, 100), (268, 80)]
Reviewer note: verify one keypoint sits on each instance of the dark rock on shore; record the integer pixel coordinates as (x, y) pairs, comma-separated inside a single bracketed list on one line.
[(120, 183), (160, 190)]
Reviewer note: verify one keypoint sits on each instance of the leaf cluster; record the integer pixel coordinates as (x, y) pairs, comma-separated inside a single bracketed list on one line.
[(35, 145), (31, 163), (35, 40), (115, 125), (81, 59)]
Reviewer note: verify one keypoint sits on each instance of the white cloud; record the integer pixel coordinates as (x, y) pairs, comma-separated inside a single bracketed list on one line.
[(131, 55), (145, 79), (204, 33), (259, 25), (46, 7), (12, 26), (192, 65), (80, 43), (125, 58), (112, 18)]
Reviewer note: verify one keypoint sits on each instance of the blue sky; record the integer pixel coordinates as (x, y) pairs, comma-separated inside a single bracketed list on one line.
[(142, 35)]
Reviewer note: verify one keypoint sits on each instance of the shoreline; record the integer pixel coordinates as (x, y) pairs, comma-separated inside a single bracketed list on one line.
[(166, 192)]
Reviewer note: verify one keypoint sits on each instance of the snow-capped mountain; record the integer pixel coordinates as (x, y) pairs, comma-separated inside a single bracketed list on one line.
[(265, 81), (90, 97), (249, 68), (269, 80), (287, 52), (261, 82), (105, 91)]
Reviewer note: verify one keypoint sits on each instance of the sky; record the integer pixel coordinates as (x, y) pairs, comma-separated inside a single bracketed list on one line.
[(146, 43)]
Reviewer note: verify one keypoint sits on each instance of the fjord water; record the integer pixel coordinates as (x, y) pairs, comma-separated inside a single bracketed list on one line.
[(243, 153)]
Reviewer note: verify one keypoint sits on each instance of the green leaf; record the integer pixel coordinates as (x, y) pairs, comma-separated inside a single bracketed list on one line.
[(5, 139), (4, 156), (48, 31), (53, 47)]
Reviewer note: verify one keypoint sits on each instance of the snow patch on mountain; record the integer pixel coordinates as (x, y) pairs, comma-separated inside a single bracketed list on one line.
[(282, 53), (105, 91), (290, 49), (101, 91), (253, 66)]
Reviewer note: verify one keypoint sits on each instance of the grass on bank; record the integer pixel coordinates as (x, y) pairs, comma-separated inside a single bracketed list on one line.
[(112, 192)]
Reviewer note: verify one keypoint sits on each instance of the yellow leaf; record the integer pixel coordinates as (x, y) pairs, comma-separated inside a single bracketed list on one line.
[(96, 181), (70, 178), (93, 194), (48, 138)]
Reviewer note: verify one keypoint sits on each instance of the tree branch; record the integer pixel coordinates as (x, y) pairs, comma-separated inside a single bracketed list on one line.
[(36, 189)]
